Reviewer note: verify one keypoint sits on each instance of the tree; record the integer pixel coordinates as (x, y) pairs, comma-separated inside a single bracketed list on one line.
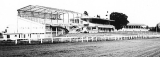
[(157, 28), (120, 20), (147, 27), (85, 13)]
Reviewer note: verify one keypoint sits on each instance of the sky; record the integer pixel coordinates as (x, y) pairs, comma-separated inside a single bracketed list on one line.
[(138, 11)]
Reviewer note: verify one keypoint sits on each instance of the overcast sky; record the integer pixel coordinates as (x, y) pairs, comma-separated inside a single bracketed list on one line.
[(138, 11)]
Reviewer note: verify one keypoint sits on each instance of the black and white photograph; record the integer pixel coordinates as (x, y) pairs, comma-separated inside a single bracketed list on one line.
[(79, 28)]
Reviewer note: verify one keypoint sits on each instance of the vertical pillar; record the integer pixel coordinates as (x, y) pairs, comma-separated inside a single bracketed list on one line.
[(87, 38), (68, 18), (16, 41), (32, 15), (51, 34), (44, 26), (63, 18), (57, 17), (17, 25), (51, 18), (79, 19), (41, 40), (56, 32), (73, 18), (29, 40)]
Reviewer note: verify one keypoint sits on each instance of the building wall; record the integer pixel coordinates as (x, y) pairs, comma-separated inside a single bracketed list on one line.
[(27, 26)]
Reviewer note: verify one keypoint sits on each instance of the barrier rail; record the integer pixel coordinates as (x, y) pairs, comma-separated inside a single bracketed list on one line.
[(92, 38)]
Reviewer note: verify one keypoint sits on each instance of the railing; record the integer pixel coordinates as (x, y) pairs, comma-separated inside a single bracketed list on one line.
[(91, 38)]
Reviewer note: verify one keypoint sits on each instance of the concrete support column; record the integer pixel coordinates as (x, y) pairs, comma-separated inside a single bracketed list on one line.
[(68, 19), (57, 17), (56, 31), (63, 18), (44, 26), (73, 18)]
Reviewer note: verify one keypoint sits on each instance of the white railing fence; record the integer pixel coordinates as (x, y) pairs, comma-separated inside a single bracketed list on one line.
[(90, 38)]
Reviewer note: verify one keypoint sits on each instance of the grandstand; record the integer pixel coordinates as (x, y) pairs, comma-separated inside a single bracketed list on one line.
[(135, 27), (96, 25), (37, 22), (44, 23)]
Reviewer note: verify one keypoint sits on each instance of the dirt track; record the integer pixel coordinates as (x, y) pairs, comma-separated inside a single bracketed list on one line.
[(124, 48)]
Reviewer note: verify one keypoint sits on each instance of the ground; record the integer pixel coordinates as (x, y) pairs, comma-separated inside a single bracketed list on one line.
[(122, 48)]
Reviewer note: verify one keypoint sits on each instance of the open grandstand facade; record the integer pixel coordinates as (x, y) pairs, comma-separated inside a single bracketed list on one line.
[(46, 22), (135, 27)]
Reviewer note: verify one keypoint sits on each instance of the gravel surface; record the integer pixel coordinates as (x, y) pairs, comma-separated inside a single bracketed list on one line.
[(123, 48)]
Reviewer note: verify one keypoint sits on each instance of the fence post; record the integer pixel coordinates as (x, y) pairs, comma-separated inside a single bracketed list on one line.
[(16, 41), (70, 39), (87, 39), (92, 39), (29, 40), (82, 39), (61, 39), (77, 39), (41, 40), (52, 39)]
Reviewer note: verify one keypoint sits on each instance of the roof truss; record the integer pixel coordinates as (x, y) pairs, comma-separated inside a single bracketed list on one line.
[(43, 9)]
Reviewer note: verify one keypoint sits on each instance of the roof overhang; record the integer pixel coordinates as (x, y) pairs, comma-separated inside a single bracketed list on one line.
[(43, 9), (90, 18), (133, 24)]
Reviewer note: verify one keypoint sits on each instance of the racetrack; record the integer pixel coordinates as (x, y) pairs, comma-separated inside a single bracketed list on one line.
[(123, 48)]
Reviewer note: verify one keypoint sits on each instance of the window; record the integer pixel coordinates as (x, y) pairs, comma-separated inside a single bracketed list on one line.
[(72, 20), (8, 36), (76, 20), (15, 35), (93, 27)]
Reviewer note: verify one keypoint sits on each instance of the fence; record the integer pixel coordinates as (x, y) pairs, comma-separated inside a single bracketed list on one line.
[(92, 38)]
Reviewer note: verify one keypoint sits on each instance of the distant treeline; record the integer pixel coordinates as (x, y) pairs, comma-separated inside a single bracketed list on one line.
[(154, 29)]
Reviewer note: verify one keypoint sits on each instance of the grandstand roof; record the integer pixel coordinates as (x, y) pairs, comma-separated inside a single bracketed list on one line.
[(43, 9), (88, 17), (133, 24)]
